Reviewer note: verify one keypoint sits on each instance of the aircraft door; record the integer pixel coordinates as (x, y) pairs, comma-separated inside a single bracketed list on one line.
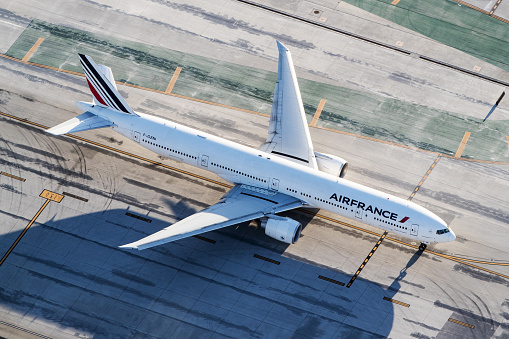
[(358, 213), (414, 229), (136, 136), (275, 184), (205, 160)]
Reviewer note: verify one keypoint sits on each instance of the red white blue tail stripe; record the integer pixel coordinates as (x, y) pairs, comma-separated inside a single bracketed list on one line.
[(102, 89)]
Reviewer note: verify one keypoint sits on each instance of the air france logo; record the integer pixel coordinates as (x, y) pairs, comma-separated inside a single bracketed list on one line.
[(368, 208), (404, 219)]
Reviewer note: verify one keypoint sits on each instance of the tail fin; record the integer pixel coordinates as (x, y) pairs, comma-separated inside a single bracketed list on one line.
[(102, 85), (105, 94), (109, 75)]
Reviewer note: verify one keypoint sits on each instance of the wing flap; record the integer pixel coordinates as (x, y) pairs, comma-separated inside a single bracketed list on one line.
[(239, 205)]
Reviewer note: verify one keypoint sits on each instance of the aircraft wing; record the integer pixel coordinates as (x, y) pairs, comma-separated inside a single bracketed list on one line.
[(240, 204), (288, 128)]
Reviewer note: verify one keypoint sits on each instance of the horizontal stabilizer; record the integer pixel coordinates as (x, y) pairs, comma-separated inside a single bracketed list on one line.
[(80, 123)]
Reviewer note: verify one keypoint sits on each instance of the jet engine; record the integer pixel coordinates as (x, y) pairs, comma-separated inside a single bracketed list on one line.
[(281, 228), (331, 164)]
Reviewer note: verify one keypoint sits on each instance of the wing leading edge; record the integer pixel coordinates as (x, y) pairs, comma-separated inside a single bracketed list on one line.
[(241, 203), (288, 129)]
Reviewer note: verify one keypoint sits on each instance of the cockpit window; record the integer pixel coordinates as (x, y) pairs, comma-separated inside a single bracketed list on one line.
[(443, 231)]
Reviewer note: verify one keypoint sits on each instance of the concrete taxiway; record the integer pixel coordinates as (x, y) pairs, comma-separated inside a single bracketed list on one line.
[(66, 277)]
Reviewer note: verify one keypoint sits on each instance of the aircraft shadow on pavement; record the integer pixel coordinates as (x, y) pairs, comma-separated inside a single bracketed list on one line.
[(70, 273)]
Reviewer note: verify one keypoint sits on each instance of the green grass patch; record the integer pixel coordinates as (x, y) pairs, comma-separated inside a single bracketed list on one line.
[(461, 27), (249, 88)]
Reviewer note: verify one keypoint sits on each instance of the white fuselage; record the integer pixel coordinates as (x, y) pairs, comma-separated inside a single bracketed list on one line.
[(240, 164)]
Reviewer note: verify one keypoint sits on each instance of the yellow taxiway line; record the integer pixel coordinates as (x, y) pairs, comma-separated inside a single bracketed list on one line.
[(50, 196), (12, 176), (120, 151), (396, 302), (24, 231), (464, 261), (425, 177), (445, 256), (365, 262), (258, 113), (460, 323)]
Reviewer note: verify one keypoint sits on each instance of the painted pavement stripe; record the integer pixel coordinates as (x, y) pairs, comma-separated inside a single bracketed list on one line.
[(50, 196), (242, 110), (267, 259), (453, 258), (24, 330), (462, 145), (424, 178), (173, 80), (495, 7), (331, 280), (397, 302), (12, 176), (460, 323), (121, 152), (75, 196), (317, 113), (132, 215), (370, 255), (204, 239), (32, 50)]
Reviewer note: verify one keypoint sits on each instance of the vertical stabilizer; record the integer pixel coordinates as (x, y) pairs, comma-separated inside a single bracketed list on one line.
[(102, 85)]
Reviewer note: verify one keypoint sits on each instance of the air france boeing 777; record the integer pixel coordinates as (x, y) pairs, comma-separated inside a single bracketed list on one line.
[(283, 174)]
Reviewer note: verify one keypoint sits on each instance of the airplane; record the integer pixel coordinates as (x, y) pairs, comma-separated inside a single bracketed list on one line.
[(285, 173)]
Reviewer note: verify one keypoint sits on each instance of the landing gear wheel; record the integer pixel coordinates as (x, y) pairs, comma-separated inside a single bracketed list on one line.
[(422, 247)]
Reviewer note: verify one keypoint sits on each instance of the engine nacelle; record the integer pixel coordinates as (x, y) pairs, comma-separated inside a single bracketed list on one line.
[(281, 228), (331, 164)]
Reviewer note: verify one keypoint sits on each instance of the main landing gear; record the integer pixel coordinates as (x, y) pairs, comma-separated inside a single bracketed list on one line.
[(422, 247)]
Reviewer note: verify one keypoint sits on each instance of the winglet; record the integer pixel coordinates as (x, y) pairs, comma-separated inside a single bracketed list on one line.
[(102, 85)]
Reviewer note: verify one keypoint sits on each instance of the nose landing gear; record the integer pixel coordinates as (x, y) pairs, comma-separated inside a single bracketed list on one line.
[(422, 247)]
